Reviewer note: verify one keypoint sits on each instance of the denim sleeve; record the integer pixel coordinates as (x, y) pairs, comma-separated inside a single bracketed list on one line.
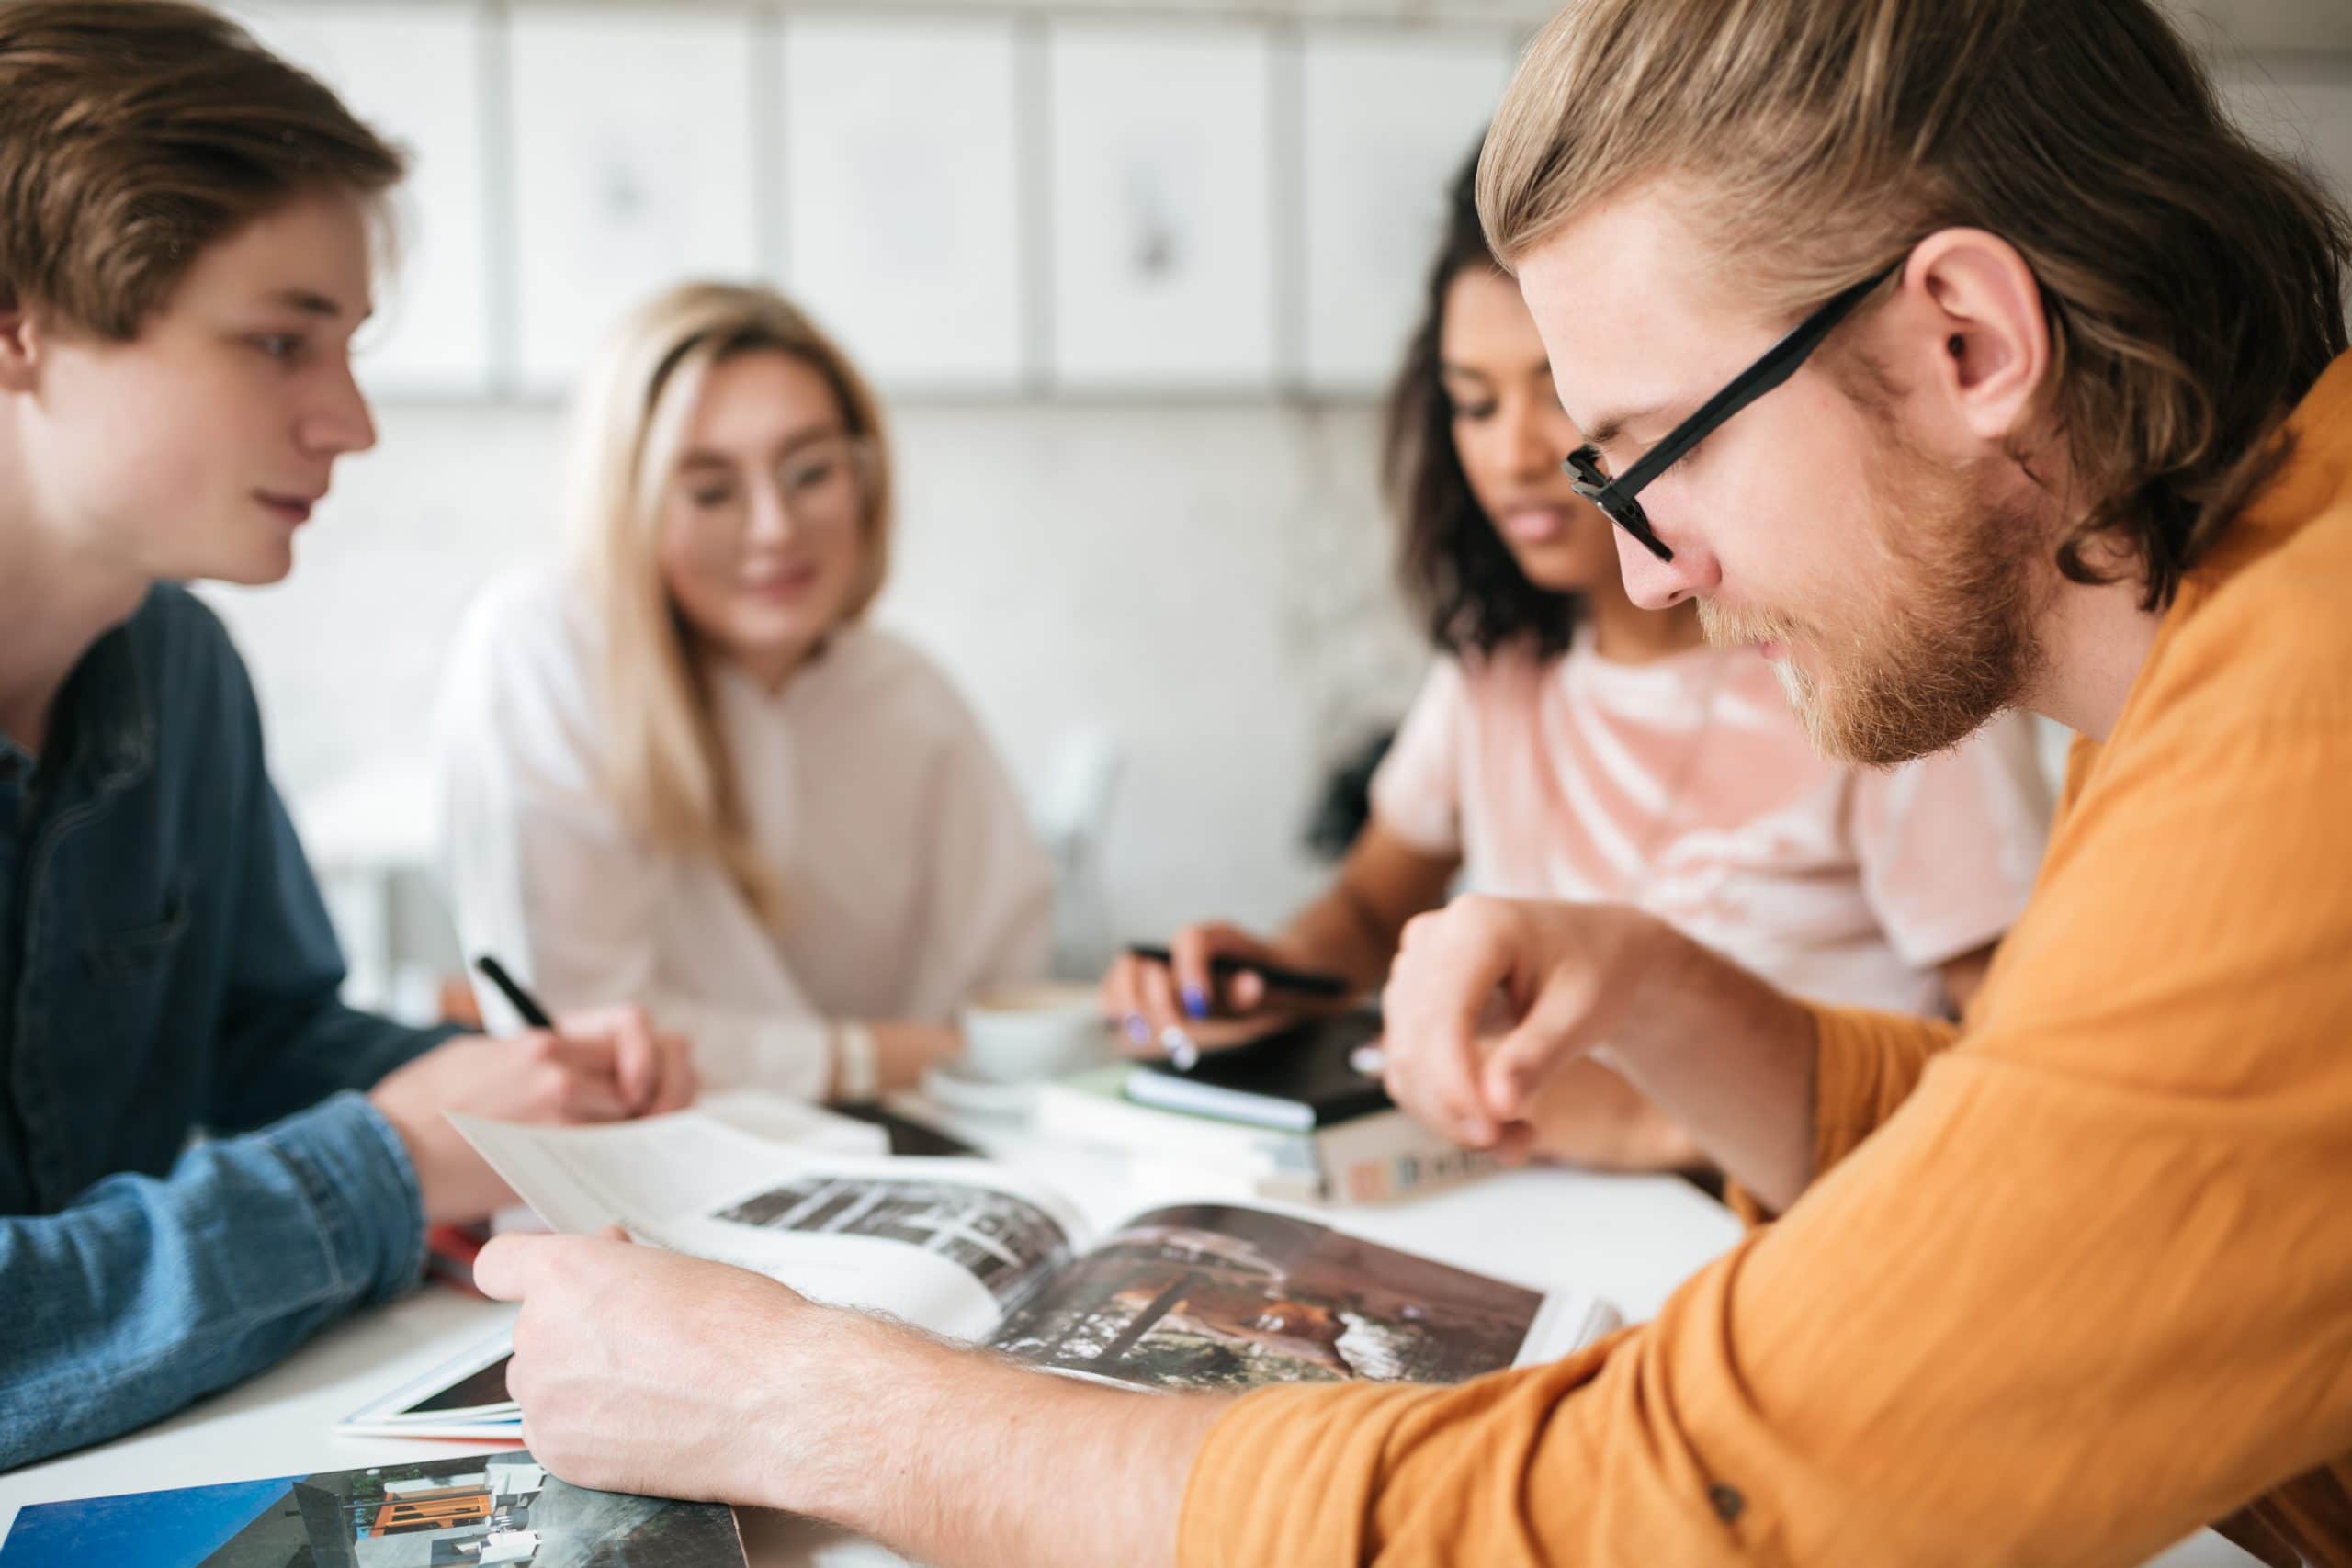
[(286, 1041), (146, 1293)]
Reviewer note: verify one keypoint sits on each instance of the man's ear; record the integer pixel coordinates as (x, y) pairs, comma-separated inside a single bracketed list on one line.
[(1985, 308), (21, 342)]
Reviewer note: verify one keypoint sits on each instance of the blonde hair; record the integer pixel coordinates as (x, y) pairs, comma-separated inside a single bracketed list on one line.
[(2194, 285), (666, 760)]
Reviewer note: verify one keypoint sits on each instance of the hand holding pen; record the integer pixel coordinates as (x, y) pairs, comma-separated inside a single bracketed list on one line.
[(602, 1065), (649, 1070), (1212, 987)]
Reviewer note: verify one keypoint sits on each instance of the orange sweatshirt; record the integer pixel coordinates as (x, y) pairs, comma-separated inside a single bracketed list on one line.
[(2068, 1283)]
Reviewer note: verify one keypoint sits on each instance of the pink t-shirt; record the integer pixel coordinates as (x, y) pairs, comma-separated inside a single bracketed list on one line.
[(1687, 787)]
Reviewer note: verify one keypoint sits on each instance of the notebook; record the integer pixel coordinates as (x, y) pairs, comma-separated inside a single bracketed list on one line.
[(1296, 1080)]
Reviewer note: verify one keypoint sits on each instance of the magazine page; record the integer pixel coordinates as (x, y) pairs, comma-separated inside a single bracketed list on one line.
[(1218, 1296), (948, 1244), (580, 1178), (480, 1508)]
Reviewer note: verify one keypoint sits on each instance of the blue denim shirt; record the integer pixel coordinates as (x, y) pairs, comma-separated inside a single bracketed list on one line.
[(166, 967)]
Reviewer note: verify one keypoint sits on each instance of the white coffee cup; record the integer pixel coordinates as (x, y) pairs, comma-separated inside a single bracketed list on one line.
[(1021, 1033)]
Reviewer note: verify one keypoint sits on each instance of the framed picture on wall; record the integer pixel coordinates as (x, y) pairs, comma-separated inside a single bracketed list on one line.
[(902, 195), (412, 69), (1385, 119), (1162, 264), (633, 167)]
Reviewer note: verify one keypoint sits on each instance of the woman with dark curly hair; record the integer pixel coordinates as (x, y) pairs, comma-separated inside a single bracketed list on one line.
[(1571, 744)]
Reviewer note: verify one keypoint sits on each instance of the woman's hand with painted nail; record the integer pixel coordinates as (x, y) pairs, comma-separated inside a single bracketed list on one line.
[(1153, 1005)]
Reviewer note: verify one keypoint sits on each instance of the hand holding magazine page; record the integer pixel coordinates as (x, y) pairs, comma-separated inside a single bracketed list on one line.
[(465, 1397), (1206, 1295)]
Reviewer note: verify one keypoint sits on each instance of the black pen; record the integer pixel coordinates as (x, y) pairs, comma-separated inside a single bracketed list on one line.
[(1224, 965), (512, 989)]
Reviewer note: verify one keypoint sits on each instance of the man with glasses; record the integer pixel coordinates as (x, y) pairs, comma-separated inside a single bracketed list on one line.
[(1958, 356)]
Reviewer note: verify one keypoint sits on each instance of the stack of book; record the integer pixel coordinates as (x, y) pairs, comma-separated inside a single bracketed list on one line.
[(1290, 1117)]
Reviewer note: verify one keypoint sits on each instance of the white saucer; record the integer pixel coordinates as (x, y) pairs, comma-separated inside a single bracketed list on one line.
[(952, 1086)]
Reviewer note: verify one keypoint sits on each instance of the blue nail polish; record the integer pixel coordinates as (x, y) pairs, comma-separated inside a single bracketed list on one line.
[(1137, 1030), (1196, 1003)]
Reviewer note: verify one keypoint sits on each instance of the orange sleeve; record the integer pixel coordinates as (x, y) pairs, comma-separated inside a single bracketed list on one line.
[(2081, 1291), (1864, 1065)]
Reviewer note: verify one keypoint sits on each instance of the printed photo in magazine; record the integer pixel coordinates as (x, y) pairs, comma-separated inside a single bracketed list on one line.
[(477, 1509)]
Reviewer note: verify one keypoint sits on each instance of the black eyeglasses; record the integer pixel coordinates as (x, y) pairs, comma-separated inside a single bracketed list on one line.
[(1779, 362)]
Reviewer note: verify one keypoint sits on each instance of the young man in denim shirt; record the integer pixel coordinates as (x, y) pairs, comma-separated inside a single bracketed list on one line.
[(185, 240)]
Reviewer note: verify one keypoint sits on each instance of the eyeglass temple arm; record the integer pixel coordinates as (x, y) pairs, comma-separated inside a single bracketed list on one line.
[(1779, 363)]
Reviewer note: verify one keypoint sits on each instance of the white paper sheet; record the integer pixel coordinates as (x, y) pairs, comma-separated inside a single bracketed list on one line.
[(940, 1243)]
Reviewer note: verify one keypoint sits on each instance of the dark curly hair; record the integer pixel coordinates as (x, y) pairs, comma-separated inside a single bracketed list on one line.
[(1454, 567)]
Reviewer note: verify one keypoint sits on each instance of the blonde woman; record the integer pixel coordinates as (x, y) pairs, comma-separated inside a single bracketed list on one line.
[(683, 767)]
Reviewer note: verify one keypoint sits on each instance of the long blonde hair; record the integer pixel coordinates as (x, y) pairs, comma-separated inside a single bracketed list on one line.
[(666, 760)]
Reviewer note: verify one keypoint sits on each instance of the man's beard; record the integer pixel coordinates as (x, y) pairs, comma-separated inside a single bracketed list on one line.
[(1950, 642)]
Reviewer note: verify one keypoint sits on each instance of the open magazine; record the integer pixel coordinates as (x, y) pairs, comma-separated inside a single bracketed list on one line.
[(1206, 1295)]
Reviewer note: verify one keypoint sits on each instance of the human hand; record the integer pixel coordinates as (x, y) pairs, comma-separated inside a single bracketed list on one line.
[(644, 1371), (1490, 997), (1148, 999), (653, 1068), (1585, 1114), (600, 1065)]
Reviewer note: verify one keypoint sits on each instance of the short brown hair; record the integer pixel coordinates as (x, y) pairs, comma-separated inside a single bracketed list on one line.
[(2194, 284), (134, 133)]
